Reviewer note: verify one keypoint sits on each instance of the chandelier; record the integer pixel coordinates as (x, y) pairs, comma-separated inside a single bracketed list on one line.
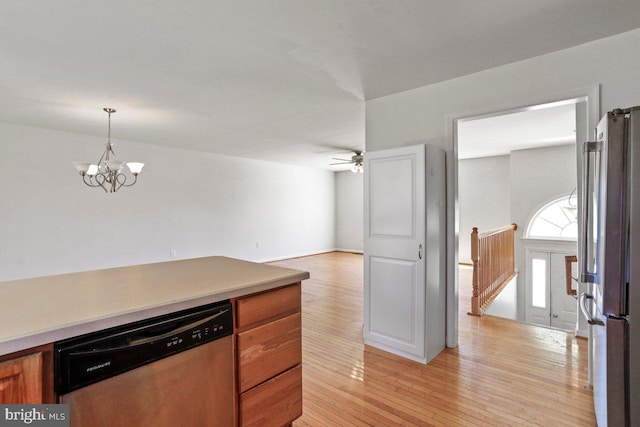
[(109, 173)]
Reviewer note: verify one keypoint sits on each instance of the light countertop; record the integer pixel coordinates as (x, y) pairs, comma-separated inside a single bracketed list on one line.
[(47, 309)]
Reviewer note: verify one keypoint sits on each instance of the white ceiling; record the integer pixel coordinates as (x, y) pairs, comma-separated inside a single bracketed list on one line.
[(278, 80), (539, 126)]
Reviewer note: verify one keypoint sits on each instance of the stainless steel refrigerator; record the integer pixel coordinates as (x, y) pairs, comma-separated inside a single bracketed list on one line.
[(610, 263)]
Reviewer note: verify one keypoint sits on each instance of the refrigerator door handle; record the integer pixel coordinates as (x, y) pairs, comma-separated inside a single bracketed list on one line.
[(587, 218), (585, 311)]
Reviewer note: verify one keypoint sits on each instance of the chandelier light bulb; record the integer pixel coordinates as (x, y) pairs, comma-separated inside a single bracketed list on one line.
[(92, 170)]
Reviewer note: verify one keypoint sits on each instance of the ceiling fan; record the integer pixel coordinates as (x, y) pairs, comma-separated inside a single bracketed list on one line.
[(357, 161)]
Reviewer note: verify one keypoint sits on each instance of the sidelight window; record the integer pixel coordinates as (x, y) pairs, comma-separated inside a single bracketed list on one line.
[(539, 283)]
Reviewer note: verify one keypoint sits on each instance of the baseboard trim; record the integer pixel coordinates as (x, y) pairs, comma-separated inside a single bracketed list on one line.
[(353, 251), (292, 256)]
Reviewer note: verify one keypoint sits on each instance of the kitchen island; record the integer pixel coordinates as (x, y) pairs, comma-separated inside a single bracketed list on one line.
[(34, 313)]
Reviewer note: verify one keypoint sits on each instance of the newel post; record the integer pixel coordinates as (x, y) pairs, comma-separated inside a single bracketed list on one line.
[(512, 243), (475, 301)]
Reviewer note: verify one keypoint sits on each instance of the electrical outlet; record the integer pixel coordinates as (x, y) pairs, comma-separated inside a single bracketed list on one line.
[(173, 253), (258, 245)]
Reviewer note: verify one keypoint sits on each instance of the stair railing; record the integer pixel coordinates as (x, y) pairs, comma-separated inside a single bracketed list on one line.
[(492, 253)]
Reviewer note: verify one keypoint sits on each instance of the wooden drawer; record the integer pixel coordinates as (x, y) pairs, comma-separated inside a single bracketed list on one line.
[(275, 403), (21, 380), (268, 350), (26, 376), (260, 308)]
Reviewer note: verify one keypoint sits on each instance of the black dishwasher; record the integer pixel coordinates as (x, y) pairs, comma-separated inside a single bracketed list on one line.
[(169, 370)]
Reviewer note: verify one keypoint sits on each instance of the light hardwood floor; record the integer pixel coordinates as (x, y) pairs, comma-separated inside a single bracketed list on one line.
[(503, 373)]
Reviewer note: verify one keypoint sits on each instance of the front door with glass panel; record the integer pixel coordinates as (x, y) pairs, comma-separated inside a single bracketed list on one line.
[(547, 301)]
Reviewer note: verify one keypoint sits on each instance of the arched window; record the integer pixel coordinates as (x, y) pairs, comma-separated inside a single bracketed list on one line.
[(555, 220)]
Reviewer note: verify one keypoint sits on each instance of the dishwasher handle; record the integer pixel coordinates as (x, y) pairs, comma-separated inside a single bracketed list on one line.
[(148, 340)]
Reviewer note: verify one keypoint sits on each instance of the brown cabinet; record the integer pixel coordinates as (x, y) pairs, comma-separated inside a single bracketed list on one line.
[(276, 402), (269, 357), (26, 377)]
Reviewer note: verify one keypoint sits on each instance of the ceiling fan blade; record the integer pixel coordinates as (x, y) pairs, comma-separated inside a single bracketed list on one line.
[(341, 163)]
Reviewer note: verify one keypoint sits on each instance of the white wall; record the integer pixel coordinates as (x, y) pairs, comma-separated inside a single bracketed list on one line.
[(349, 211), (506, 303), (196, 203), (539, 176), (427, 114), (485, 198)]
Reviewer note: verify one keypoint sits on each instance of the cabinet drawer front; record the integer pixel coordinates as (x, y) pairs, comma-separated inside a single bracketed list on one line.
[(260, 308), (268, 350), (21, 380), (274, 403)]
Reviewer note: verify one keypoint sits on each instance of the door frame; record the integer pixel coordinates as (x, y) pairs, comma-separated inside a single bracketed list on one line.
[(592, 115)]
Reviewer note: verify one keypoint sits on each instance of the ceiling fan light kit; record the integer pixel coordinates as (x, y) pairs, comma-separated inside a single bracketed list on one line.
[(357, 168), (109, 173)]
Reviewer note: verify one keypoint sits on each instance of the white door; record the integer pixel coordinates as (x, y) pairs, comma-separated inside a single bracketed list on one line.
[(564, 308), (394, 265), (547, 301)]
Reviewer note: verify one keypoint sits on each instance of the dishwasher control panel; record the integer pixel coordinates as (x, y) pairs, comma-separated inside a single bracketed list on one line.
[(90, 358)]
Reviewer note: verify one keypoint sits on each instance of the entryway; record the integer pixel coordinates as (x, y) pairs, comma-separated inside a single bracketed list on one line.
[(547, 301), (510, 165)]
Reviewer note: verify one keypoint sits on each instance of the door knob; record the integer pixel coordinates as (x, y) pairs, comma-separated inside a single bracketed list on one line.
[(555, 316), (420, 251)]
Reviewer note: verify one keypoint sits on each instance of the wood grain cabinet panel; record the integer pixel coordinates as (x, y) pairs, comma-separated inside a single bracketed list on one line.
[(275, 403), (268, 350), (269, 357), (21, 380), (257, 309), (26, 376)]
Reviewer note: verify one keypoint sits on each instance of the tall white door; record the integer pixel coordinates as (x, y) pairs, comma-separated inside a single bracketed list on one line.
[(404, 198)]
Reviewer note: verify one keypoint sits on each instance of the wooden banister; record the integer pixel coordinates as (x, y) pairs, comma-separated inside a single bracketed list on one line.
[(493, 260)]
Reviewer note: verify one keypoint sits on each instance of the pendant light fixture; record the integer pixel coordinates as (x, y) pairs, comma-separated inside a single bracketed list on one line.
[(109, 173)]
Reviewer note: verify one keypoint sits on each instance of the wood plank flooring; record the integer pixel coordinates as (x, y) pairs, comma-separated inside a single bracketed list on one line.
[(503, 373)]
